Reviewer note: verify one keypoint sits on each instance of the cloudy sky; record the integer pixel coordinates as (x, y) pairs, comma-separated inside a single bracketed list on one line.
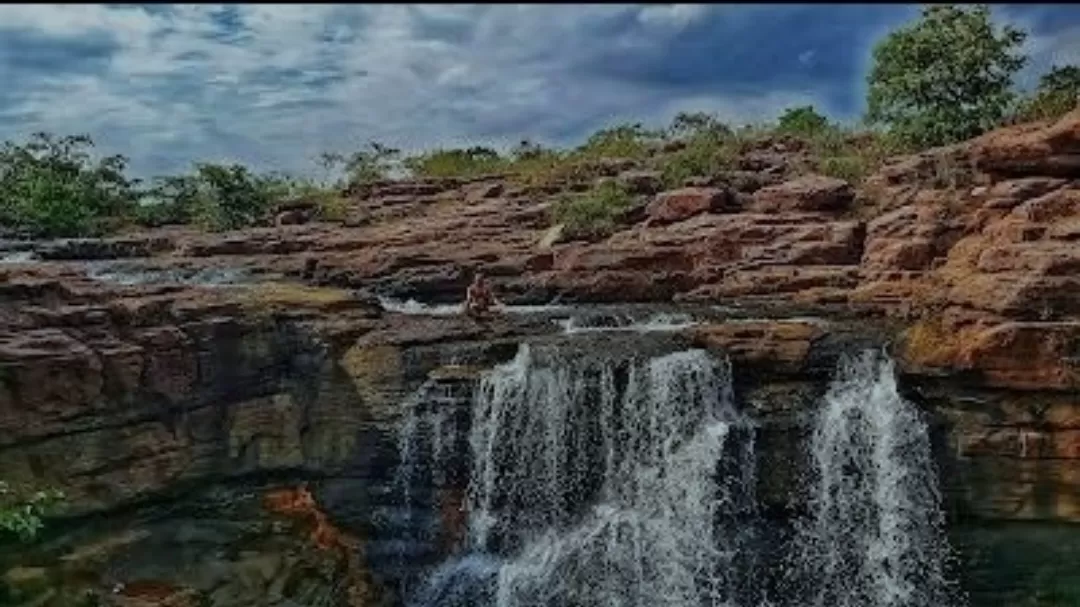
[(274, 85)]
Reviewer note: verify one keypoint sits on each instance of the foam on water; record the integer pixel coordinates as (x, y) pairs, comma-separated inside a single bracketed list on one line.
[(659, 321), (413, 307)]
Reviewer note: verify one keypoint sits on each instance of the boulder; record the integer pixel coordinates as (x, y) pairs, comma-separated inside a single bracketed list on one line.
[(483, 191), (748, 181), (292, 217), (641, 182), (684, 203), (809, 193)]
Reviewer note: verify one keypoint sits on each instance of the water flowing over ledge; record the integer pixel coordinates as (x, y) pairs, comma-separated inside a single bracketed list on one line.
[(630, 481), (875, 536)]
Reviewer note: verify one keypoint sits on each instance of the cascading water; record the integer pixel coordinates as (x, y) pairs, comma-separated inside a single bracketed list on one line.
[(658, 322), (640, 442), (429, 461), (874, 537), (630, 481)]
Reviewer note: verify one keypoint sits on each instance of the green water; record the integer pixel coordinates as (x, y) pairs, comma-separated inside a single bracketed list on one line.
[(1020, 564)]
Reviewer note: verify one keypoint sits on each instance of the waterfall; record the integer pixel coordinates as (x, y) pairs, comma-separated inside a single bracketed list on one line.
[(599, 477), (874, 537), (428, 462), (595, 482)]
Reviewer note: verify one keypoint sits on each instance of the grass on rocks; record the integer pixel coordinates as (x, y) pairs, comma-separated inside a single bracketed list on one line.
[(592, 214), (274, 296)]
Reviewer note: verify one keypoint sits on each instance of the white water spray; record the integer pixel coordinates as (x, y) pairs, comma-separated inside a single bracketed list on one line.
[(19, 257), (415, 308), (875, 534), (630, 483), (641, 440), (656, 322)]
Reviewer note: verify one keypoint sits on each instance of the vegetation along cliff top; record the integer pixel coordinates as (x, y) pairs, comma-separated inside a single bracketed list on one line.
[(946, 75)]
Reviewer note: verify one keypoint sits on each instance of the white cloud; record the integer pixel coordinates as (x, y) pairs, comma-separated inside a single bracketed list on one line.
[(743, 109), (69, 20), (181, 83), (675, 16), (1060, 49)]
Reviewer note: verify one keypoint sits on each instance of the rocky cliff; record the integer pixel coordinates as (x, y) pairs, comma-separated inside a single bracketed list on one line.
[(174, 384)]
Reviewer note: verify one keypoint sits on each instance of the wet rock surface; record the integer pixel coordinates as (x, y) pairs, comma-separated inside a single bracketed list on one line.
[(147, 373)]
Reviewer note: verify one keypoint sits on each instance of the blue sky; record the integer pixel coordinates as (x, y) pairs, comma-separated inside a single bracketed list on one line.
[(274, 85)]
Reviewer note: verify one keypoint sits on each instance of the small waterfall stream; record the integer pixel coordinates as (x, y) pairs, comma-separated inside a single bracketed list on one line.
[(627, 481), (875, 536)]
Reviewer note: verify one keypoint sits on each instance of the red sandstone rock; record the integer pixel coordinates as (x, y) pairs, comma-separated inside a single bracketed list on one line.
[(156, 388), (677, 205), (783, 344), (936, 236), (484, 191), (809, 193), (1016, 355), (1032, 149)]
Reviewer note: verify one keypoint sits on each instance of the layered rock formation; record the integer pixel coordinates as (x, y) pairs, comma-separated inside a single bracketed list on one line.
[(177, 410)]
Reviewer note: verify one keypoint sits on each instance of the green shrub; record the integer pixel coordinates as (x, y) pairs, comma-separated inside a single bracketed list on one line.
[(375, 163), (852, 155), (174, 199), (232, 197), (1057, 94), (544, 167), (1047, 106), (215, 197), (851, 168), (706, 154), (21, 517), (593, 214), (469, 162), (332, 205), (944, 78), (802, 121), (533, 165), (622, 141), (51, 187), (689, 125)]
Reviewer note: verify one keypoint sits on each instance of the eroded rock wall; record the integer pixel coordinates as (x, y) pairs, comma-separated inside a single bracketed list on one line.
[(167, 411)]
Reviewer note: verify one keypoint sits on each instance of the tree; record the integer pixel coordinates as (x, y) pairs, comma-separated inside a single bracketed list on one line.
[(803, 120), (231, 196), (1057, 94), (1061, 79), (219, 197), (51, 187), (945, 78)]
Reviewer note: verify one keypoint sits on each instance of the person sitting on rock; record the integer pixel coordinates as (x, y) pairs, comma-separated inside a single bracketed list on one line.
[(479, 298)]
